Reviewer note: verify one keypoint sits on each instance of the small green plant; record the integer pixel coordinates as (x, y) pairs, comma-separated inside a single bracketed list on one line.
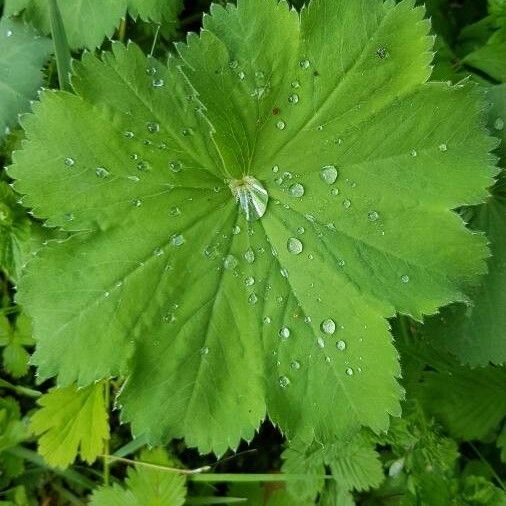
[(263, 239)]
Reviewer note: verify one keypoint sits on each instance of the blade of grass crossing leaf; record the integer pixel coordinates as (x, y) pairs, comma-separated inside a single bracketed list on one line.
[(61, 46), (215, 500)]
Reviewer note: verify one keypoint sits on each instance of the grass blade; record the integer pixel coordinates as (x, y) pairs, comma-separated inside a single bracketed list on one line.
[(61, 46)]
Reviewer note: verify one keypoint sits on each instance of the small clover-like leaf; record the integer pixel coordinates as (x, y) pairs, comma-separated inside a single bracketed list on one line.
[(247, 218), (22, 54), (69, 422)]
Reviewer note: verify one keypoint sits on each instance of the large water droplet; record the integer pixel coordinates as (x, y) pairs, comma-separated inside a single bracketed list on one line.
[(294, 246), (251, 196), (249, 256), (328, 326), (329, 174), (230, 262)]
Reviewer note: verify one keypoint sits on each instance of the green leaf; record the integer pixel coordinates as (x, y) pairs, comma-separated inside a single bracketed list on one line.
[(88, 23), (69, 422), (217, 319), (144, 487), (471, 403), (15, 356), (22, 54)]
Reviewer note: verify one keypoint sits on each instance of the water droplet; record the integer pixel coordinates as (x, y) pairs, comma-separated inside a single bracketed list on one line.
[(373, 215), (283, 381), (136, 203), (499, 124), (128, 134), (328, 326), (405, 278), (135, 179), (249, 256), (296, 190), (295, 84), (249, 281), (233, 64), (187, 132), (69, 162), (8, 33), (320, 342), (349, 371), (300, 230), (346, 203), (284, 272), (175, 166), (69, 216), (151, 71), (230, 262), (158, 83), (382, 53), (241, 75), (307, 319), (236, 230), (284, 333), (253, 299), (158, 252), (204, 350), (267, 320), (280, 125), (320, 128), (175, 211), (102, 173), (153, 127), (341, 345), (275, 169), (177, 240), (443, 147), (251, 196), (413, 153), (295, 365), (294, 246), (304, 64), (293, 99), (329, 174)]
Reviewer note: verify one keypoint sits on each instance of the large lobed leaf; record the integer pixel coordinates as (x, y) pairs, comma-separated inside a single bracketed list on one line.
[(216, 319)]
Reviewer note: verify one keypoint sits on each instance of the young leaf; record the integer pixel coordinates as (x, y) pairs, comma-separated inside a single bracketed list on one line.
[(22, 54), (88, 23), (218, 316), (146, 486), (69, 422)]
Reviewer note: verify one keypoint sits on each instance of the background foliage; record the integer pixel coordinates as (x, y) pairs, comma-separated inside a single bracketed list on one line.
[(67, 443)]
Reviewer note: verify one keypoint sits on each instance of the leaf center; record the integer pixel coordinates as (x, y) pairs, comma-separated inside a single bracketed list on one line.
[(251, 196)]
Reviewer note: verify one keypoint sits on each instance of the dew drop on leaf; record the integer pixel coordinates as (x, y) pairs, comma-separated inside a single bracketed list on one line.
[(405, 278), (102, 172), (280, 125), (283, 381), (499, 124), (284, 333), (293, 99), (249, 281), (443, 147), (295, 84), (341, 345), (304, 64), (153, 127), (158, 83), (295, 365), (413, 153), (204, 350), (177, 240), (175, 166), (236, 230), (151, 71), (294, 246), (136, 203), (230, 262), (251, 196), (320, 342), (253, 299), (328, 326), (346, 203), (373, 215), (349, 371), (296, 190), (249, 256), (329, 174), (69, 162)]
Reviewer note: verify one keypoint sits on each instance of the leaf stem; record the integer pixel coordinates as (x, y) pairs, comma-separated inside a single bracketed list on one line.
[(106, 470), (156, 466), (155, 40), (19, 389), (122, 30), (487, 463)]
